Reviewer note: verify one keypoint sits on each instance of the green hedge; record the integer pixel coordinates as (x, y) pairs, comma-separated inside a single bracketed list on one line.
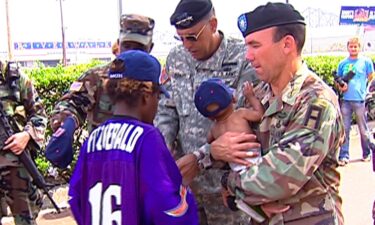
[(324, 65), (51, 83)]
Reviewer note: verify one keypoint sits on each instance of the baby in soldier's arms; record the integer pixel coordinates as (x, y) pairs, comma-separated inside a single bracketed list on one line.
[(216, 101)]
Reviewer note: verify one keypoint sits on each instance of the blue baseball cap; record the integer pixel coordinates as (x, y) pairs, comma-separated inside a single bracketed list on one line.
[(59, 150), (212, 91), (137, 65)]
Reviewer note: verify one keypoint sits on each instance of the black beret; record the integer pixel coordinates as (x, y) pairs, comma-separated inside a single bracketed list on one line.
[(190, 12), (269, 15)]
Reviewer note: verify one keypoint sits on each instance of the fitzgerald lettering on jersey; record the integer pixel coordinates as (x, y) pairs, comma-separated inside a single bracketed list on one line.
[(114, 136)]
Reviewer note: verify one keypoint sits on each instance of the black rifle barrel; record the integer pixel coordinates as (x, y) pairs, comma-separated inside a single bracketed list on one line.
[(38, 179), (26, 160)]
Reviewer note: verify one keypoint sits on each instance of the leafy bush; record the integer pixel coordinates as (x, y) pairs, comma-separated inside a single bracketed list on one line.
[(325, 65), (51, 83)]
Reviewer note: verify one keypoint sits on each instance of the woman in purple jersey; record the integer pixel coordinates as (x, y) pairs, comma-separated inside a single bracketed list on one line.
[(125, 173)]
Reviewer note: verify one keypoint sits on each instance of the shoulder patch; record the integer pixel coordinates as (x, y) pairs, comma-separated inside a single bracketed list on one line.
[(313, 117), (164, 77), (59, 132), (76, 86)]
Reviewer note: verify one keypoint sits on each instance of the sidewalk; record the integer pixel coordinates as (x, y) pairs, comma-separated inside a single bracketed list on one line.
[(357, 191), (357, 185), (48, 214)]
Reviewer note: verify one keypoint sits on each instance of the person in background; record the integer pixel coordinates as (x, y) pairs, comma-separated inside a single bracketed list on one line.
[(125, 173), (204, 52), (87, 99), (300, 133), (24, 110), (357, 70)]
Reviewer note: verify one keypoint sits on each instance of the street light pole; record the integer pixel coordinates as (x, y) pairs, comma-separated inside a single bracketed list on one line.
[(119, 9), (10, 50), (63, 35)]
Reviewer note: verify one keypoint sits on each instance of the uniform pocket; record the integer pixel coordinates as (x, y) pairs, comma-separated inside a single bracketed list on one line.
[(311, 211)]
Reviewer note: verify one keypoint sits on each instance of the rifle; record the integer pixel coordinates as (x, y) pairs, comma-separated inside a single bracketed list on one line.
[(24, 157)]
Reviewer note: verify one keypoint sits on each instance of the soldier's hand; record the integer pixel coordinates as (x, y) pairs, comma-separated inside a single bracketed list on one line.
[(57, 120), (189, 169), (233, 147), (224, 195), (17, 142)]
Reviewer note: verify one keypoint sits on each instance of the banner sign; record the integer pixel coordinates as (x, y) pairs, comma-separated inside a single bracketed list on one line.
[(58, 45), (357, 15)]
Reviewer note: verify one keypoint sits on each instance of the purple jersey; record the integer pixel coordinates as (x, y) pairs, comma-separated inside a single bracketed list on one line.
[(126, 175)]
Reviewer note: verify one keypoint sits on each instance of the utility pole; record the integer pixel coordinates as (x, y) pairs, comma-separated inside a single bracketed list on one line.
[(119, 9), (10, 49), (63, 35)]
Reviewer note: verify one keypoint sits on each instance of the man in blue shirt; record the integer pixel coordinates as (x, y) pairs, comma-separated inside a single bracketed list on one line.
[(355, 70)]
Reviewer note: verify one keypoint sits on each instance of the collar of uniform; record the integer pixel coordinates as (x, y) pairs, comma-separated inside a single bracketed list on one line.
[(289, 95), (275, 104), (216, 60), (291, 91)]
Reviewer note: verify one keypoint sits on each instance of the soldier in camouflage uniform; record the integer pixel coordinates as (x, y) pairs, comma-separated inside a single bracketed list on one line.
[(370, 101), (205, 53), (301, 131), (86, 98), (20, 101)]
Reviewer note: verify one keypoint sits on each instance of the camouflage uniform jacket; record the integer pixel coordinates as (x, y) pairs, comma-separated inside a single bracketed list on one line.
[(178, 119), (300, 135), (86, 99), (370, 100), (25, 106)]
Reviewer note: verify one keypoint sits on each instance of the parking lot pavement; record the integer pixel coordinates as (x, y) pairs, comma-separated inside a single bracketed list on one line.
[(357, 185)]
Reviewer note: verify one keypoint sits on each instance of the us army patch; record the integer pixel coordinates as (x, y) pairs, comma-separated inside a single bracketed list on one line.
[(313, 117), (76, 86)]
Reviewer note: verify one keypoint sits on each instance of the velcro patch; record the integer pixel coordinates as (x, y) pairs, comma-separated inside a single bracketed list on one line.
[(313, 117), (76, 86), (59, 132), (164, 77)]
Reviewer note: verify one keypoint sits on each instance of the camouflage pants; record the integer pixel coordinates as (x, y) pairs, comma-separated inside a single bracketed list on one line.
[(20, 195), (212, 211)]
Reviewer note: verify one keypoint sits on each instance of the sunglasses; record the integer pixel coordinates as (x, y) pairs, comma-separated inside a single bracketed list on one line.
[(190, 37)]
